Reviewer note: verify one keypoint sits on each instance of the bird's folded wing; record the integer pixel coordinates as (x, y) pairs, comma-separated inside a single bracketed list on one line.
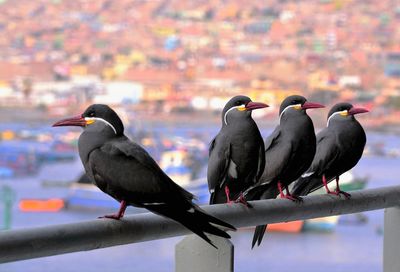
[(277, 158), (277, 155), (218, 163), (271, 140), (130, 149), (129, 166), (326, 154), (261, 162)]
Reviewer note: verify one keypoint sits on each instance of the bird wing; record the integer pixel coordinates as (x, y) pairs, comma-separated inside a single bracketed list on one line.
[(261, 162), (218, 163), (327, 152), (212, 145), (277, 155), (271, 139), (125, 167)]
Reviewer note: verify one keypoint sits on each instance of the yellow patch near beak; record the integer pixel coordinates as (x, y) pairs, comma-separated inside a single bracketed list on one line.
[(241, 108), (90, 121), (297, 107), (344, 113)]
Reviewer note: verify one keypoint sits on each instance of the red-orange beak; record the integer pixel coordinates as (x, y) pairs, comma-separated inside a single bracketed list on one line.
[(255, 105), (311, 105), (77, 121), (354, 111)]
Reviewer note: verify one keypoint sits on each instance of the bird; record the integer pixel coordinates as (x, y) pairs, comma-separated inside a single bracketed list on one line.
[(236, 154), (124, 170), (289, 151), (339, 148)]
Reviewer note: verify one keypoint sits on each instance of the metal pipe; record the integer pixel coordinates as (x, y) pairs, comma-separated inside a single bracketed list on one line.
[(37, 242)]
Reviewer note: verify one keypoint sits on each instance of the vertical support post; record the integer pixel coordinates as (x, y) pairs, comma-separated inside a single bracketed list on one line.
[(7, 196), (195, 255), (391, 240)]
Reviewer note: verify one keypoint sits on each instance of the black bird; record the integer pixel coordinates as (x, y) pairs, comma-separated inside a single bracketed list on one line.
[(236, 155), (125, 171), (289, 152), (339, 147)]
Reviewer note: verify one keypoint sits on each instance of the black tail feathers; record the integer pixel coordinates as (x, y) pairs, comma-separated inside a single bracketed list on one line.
[(268, 191), (258, 235), (304, 186), (212, 219), (196, 220)]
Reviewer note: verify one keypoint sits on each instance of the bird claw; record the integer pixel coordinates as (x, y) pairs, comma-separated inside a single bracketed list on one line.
[(243, 201), (111, 216), (345, 194), (293, 198), (338, 193)]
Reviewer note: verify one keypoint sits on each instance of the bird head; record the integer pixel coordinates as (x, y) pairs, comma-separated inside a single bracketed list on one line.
[(297, 103), (240, 106), (94, 114), (344, 111)]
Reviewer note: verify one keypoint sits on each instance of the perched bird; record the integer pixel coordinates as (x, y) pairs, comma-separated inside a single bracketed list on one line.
[(236, 154), (126, 172), (289, 151), (339, 147)]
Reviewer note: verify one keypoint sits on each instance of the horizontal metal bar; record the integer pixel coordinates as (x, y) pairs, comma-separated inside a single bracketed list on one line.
[(58, 239)]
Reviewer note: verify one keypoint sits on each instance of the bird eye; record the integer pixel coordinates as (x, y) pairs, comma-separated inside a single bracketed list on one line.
[(91, 114), (239, 103), (294, 102)]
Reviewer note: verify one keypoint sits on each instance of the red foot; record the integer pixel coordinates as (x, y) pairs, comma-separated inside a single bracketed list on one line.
[(293, 198), (346, 195), (119, 215), (243, 201), (112, 216), (288, 195), (338, 193)]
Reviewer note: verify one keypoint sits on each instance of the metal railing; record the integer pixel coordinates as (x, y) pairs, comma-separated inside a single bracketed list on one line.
[(38, 242)]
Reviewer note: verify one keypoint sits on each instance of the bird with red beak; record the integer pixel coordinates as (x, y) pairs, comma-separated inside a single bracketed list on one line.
[(289, 151), (125, 171), (340, 147), (236, 154)]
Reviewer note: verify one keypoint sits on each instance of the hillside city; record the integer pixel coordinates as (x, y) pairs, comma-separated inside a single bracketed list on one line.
[(185, 56)]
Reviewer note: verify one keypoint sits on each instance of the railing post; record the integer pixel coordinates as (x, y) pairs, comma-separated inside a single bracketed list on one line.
[(195, 255), (391, 240)]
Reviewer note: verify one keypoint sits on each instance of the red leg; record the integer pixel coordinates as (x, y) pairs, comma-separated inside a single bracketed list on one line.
[(340, 192), (337, 191), (288, 195), (242, 200), (227, 193), (282, 195), (292, 197), (326, 185), (119, 215)]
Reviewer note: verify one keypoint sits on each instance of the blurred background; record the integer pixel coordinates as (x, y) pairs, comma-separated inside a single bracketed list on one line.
[(168, 67)]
